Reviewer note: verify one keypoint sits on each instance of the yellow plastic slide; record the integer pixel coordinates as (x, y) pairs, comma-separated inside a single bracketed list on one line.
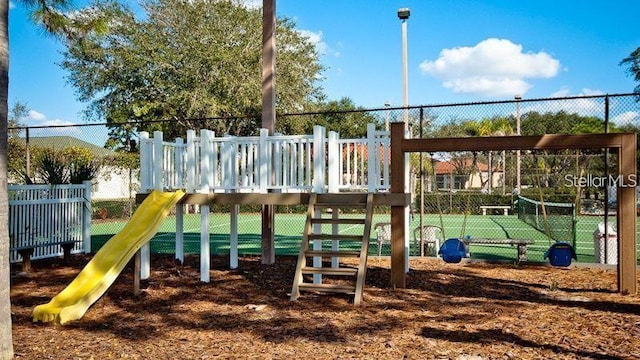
[(108, 262)]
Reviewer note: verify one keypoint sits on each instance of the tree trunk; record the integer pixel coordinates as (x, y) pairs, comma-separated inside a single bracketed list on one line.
[(6, 341)]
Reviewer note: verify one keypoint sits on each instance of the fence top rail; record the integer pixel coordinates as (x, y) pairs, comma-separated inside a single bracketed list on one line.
[(44, 186), (540, 142)]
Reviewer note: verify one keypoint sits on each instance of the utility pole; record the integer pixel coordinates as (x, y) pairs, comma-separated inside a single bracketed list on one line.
[(403, 15)]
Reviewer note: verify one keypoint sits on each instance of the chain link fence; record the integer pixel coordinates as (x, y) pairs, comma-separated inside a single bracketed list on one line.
[(480, 195)]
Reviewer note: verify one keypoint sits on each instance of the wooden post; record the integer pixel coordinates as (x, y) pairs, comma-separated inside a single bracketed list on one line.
[(268, 115), (627, 203), (136, 273), (398, 213)]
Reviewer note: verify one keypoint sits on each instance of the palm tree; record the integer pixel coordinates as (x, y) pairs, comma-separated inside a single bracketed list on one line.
[(6, 340), (490, 127), (50, 14)]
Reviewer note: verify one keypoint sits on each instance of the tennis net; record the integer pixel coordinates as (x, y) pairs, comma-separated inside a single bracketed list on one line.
[(557, 220)]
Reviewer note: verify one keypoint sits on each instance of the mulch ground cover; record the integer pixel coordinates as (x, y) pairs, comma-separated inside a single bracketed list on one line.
[(464, 311)]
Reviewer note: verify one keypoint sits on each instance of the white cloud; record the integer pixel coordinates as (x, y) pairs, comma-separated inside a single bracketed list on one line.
[(565, 92), (493, 67), (626, 118), (316, 39), (251, 4), (57, 122), (34, 115), (580, 103), (39, 119), (11, 5)]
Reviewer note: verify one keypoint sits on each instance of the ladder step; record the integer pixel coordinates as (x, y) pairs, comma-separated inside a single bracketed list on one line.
[(338, 221), (342, 254), (332, 288), (335, 237), (330, 271), (341, 206)]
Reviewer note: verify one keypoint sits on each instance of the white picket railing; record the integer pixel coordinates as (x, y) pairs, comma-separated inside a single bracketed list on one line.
[(285, 163), (49, 214)]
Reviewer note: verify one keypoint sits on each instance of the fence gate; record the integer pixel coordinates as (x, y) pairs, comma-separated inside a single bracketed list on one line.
[(43, 216)]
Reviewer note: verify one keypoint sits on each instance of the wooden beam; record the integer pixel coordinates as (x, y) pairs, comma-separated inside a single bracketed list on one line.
[(627, 203), (379, 199)]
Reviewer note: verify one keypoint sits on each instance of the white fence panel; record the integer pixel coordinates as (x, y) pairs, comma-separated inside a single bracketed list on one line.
[(48, 214), (260, 163)]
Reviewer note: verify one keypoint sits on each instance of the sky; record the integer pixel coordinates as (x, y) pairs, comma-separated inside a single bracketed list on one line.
[(458, 51)]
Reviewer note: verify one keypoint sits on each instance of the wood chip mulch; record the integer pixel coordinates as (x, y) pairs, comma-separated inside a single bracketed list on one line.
[(464, 311)]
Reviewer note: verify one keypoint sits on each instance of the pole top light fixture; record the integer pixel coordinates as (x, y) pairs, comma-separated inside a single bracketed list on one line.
[(403, 13)]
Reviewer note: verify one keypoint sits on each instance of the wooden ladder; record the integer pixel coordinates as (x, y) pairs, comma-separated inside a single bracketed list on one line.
[(322, 228)]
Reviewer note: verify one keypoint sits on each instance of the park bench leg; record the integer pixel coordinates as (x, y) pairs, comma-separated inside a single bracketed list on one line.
[(66, 248), (522, 253), (26, 258)]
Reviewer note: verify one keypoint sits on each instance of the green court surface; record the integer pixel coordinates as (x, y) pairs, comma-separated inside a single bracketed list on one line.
[(289, 227)]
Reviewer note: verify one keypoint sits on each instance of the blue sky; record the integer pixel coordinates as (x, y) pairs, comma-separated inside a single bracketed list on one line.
[(459, 51)]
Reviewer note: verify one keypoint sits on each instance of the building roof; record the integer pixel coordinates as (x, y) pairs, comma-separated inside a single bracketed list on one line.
[(62, 142), (448, 167)]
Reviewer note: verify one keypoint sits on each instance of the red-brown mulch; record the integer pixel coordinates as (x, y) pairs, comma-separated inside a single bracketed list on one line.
[(465, 311)]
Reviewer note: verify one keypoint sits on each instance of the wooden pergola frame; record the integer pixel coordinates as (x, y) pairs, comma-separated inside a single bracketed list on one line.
[(623, 143)]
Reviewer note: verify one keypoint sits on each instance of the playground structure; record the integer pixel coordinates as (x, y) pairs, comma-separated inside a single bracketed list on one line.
[(228, 178), (226, 167), (225, 178)]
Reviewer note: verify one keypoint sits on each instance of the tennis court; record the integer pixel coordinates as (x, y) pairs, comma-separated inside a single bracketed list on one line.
[(289, 227)]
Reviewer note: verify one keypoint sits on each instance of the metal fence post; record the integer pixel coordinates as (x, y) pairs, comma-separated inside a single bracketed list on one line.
[(86, 217)]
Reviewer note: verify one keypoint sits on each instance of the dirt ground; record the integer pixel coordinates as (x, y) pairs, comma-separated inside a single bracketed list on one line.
[(464, 311)]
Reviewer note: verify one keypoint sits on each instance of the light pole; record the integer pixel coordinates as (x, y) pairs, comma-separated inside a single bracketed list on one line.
[(387, 105), (403, 15), (518, 98)]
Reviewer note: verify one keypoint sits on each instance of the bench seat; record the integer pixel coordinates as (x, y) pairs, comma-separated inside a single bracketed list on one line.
[(520, 243), (26, 251)]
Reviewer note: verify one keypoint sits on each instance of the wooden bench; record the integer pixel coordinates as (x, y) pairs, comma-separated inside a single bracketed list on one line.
[(26, 251), (520, 243), (504, 208)]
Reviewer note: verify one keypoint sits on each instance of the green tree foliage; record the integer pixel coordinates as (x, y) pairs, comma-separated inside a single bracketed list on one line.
[(633, 63), (17, 114), (71, 165), (633, 128), (195, 62), (551, 167), (16, 165), (341, 116), (561, 122)]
